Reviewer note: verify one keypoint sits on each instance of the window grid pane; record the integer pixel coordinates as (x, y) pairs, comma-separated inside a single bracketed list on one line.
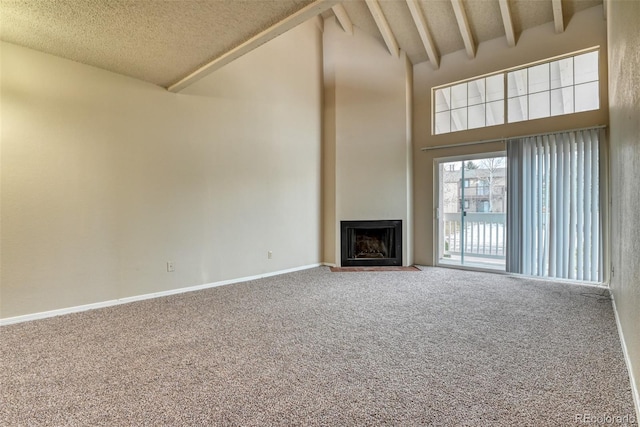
[(518, 110), (587, 97), (517, 83), (586, 67), (539, 105), (476, 118), (495, 88), (538, 77), (459, 96), (476, 92), (495, 113), (562, 73), (458, 119), (562, 101), (443, 99), (443, 122)]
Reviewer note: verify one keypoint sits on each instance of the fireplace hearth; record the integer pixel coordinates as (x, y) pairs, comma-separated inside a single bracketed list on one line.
[(371, 243)]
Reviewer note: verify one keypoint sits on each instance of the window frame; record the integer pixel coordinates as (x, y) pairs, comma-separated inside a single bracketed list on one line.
[(506, 97)]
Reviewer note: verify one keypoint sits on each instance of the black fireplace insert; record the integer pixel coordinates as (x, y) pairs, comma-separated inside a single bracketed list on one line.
[(371, 243)]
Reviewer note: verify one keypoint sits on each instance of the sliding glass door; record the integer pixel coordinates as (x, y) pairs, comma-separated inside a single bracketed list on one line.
[(552, 223), (472, 212)]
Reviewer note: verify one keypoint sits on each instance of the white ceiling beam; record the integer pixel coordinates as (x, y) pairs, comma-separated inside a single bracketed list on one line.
[(311, 10), (343, 18), (384, 27), (465, 30), (425, 34), (505, 11), (558, 19)]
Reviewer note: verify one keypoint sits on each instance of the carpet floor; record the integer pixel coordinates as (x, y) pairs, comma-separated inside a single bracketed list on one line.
[(437, 347)]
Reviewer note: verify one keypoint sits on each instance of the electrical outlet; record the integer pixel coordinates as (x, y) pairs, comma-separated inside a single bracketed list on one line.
[(170, 267), (269, 254)]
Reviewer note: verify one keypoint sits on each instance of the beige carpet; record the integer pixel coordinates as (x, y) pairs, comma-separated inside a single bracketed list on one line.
[(435, 347)]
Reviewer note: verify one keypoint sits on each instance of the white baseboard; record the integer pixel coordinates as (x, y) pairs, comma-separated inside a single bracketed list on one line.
[(634, 385), (126, 300)]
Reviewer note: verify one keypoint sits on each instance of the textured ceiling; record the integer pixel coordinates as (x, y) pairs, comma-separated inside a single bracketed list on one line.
[(163, 41), (153, 40)]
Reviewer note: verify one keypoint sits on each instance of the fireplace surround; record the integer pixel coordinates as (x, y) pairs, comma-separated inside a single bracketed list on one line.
[(371, 243)]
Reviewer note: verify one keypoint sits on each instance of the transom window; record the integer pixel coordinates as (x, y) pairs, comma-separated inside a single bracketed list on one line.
[(565, 86), (470, 105), (561, 86)]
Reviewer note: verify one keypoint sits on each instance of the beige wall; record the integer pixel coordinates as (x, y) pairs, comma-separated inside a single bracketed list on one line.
[(367, 140), (586, 29), (106, 178), (624, 137)]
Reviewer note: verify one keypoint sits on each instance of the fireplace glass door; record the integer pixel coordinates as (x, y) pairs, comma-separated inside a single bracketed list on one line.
[(371, 243)]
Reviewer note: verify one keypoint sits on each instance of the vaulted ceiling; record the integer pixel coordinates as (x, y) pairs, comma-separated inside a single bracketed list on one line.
[(172, 43)]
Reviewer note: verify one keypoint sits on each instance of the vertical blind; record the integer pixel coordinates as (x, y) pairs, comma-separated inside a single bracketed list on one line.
[(554, 226)]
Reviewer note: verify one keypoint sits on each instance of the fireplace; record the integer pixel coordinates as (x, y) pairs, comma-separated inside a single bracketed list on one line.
[(371, 243)]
